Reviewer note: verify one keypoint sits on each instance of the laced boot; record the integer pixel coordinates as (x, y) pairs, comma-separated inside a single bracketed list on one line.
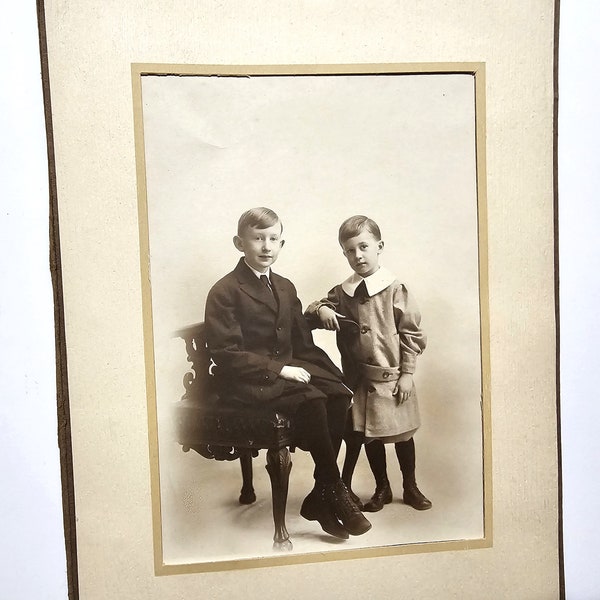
[(345, 509), (317, 508), (405, 451), (355, 498), (381, 497), (413, 496), (352, 495)]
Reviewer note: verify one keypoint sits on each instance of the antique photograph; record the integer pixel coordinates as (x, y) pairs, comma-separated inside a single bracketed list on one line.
[(316, 323)]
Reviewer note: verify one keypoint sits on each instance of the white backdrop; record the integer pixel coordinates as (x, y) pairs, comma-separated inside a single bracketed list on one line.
[(32, 549), (316, 149)]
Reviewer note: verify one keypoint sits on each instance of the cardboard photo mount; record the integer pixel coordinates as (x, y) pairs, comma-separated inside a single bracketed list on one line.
[(88, 84)]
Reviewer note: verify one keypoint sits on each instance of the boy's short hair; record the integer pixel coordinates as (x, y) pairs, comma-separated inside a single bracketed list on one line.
[(259, 217), (355, 225)]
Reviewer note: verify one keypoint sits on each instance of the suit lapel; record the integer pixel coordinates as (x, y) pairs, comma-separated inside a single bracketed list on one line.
[(282, 297)]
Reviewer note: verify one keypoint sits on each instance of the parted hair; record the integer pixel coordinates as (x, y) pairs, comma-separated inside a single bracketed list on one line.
[(355, 225), (259, 217)]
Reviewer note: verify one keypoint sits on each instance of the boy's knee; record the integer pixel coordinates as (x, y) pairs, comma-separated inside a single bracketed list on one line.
[(314, 405)]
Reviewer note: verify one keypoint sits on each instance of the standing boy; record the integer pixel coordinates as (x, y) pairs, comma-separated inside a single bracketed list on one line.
[(379, 338), (265, 355)]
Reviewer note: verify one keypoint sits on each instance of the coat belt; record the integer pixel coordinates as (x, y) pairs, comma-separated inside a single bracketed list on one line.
[(376, 373)]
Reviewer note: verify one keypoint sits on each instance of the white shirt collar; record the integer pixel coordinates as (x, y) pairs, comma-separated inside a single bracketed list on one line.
[(377, 282), (258, 273)]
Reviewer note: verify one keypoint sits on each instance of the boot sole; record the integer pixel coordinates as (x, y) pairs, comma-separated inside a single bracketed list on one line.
[(311, 517), (418, 506), (361, 530)]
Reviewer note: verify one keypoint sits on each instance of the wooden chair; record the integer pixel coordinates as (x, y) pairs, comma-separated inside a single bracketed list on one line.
[(220, 428)]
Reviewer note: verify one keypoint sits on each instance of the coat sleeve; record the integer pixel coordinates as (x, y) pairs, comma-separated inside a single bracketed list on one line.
[(305, 349), (226, 341), (408, 321), (312, 310), (302, 324)]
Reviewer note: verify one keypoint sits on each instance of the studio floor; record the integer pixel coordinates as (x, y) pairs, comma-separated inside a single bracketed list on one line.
[(203, 522)]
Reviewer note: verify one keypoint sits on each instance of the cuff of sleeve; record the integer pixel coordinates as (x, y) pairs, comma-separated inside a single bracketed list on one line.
[(313, 307), (409, 364), (273, 369)]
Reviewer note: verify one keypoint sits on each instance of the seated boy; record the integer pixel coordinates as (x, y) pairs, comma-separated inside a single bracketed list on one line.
[(265, 355)]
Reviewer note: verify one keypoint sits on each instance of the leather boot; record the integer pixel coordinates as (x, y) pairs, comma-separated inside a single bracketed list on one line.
[(382, 496), (345, 509), (353, 496), (316, 507), (405, 451), (413, 496)]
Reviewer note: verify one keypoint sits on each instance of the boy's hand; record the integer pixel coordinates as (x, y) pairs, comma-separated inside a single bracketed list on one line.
[(329, 317), (295, 374), (403, 387)]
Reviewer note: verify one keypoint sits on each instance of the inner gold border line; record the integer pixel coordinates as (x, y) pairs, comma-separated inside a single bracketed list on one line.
[(477, 70), (472, 68), (147, 319)]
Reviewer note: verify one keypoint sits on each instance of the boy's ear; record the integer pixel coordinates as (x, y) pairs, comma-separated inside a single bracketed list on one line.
[(380, 245), (238, 243), (282, 243)]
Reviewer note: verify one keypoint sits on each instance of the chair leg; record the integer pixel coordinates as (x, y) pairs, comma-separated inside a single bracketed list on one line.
[(247, 495), (279, 464)]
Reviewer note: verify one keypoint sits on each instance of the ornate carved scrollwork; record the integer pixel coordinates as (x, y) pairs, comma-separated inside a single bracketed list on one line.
[(197, 381)]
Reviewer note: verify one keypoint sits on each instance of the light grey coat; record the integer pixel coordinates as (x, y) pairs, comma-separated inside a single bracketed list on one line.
[(378, 341)]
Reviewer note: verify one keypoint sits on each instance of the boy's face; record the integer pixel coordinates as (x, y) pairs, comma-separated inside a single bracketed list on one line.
[(260, 246), (362, 253)]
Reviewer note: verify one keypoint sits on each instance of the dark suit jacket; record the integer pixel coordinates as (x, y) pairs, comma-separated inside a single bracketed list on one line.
[(252, 334)]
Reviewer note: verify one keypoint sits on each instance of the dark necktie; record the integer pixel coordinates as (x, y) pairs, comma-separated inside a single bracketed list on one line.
[(266, 281), (361, 291)]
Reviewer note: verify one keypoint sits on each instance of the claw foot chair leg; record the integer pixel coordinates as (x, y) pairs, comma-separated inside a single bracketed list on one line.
[(279, 464)]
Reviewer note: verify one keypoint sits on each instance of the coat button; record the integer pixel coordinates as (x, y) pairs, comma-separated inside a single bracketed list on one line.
[(385, 374), (371, 388), (364, 329)]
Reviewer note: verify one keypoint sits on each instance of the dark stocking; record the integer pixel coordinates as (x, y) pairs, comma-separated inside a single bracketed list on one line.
[(405, 452), (354, 441), (375, 451)]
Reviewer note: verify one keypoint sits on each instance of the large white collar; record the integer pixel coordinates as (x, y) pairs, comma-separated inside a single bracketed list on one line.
[(377, 282)]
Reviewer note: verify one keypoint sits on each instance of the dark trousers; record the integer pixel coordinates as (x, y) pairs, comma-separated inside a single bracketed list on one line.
[(320, 426), (319, 410)]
